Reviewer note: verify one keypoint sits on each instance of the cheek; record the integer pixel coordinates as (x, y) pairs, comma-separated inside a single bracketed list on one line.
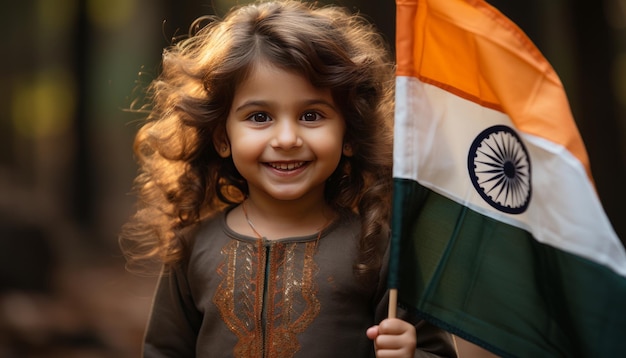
[(246, 151), (241, 153), (237, 139), (242, 165), (330, 147)]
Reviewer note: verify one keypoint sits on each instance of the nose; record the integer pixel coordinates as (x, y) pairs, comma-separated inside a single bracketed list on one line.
[(286, 135)]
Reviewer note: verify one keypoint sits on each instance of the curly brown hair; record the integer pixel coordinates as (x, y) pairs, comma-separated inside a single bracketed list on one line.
[(183, 180)]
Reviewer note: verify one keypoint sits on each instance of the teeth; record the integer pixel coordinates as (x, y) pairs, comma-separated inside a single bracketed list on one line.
[(286, 166)]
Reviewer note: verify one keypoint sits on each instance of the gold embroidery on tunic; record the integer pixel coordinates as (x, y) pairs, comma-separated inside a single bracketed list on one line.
[(269, 323)]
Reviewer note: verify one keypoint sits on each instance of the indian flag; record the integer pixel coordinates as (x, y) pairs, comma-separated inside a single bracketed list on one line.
[(497, 229)]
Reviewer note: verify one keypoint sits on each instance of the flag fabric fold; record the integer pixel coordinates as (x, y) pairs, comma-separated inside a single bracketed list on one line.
[(498, 234)]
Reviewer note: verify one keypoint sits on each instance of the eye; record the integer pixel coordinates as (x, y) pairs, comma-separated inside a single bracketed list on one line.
[(311, 116), (259, 117)]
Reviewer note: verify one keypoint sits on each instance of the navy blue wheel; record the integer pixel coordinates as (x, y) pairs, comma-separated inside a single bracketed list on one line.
[(499, 168)]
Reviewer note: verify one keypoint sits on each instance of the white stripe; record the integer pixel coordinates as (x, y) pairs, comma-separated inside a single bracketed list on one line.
[(434, 130)]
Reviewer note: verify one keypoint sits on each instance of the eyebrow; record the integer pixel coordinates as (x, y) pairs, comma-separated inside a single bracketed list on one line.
[(310, 102)]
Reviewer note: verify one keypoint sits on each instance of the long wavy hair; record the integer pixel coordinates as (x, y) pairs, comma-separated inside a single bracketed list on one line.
[(183, 180)]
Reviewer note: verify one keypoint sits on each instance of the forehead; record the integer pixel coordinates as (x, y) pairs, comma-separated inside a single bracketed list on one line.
[(270, 81)]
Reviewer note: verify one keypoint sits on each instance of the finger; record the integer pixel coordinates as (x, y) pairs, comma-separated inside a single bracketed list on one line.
[(387, 353), (372, 332), (389, 342), (393, 326)]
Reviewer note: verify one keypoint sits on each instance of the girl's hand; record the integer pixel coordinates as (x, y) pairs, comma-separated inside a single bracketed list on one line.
[(393, 338)]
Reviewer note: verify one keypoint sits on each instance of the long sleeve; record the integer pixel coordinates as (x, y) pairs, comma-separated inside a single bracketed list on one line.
[(434, 342), (174, 321), (431, 340)]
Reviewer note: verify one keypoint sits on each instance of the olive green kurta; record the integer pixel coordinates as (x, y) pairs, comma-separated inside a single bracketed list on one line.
[(239, 296)]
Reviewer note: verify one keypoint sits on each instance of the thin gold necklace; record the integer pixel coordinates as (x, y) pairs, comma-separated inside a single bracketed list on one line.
[(245, 214)]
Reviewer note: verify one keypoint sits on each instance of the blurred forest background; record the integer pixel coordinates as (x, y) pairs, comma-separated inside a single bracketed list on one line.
[(68, 70)]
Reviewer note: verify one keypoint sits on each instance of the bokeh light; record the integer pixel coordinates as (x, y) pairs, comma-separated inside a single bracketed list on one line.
[(44, 103)]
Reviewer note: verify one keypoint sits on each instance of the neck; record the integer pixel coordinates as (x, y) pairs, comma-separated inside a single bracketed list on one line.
[(277, 219)]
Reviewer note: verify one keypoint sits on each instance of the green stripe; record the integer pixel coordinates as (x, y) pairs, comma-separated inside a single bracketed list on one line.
[(495, 285), (406, 200)]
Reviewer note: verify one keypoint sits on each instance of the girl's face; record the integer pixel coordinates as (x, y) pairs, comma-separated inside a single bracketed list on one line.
[(285, 136)]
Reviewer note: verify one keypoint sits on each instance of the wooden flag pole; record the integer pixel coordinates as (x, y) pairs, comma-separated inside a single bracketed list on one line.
[(393, 303)]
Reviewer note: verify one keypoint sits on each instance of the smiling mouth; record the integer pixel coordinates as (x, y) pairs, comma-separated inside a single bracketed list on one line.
[(287, 166)]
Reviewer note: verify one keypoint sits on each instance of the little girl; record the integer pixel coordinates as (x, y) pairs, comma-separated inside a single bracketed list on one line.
[(265, 190)]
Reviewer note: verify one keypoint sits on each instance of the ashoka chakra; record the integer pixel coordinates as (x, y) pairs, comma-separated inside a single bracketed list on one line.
[(499, 167)]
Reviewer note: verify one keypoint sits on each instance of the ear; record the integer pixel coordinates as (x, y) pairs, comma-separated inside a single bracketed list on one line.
[(221, 145), (347, 150), (223, 149)]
